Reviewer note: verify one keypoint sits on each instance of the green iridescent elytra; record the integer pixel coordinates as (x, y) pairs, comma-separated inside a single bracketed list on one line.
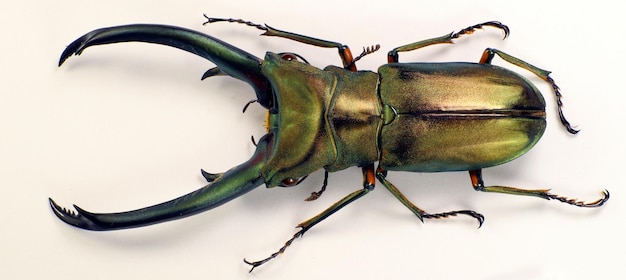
[(419, 117)]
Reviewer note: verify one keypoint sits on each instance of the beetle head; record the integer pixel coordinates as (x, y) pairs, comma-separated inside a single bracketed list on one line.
[(302, 139)]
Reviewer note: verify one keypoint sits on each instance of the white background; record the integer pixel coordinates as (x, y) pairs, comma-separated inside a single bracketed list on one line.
[(130, 125)]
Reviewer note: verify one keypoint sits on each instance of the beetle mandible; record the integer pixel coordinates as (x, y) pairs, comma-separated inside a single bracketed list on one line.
[(418, 117)]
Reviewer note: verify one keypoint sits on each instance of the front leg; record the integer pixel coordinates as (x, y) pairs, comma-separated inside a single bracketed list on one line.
[(369, 182), (344, 51)]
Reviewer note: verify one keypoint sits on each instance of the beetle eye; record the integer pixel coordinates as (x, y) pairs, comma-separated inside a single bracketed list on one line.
[(289, 57), (290, 182), (293, 57)]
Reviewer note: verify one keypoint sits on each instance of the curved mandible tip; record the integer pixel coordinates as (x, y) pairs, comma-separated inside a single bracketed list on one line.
[(80, 44), (220, 191), (80, 218), (228, 58), (223, 188)]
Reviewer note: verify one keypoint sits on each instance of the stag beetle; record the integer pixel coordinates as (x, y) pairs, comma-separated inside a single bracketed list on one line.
[(418, 117)]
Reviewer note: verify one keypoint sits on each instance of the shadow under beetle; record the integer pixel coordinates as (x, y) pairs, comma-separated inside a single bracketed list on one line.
[(419, 117)]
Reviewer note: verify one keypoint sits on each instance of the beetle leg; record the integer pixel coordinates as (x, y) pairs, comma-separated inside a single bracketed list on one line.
[(392, 56), (369, 50), (317, 194), (369, 182), (477, 182), (488, 55), (421, 214), (344, 51)]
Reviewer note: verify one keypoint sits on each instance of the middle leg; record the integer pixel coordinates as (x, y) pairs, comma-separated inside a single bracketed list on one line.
[(392, 57), (381, 174)]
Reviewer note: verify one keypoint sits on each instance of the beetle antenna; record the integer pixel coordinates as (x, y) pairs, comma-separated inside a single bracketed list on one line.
[(241, 21), (317, 194), (366, 51)]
